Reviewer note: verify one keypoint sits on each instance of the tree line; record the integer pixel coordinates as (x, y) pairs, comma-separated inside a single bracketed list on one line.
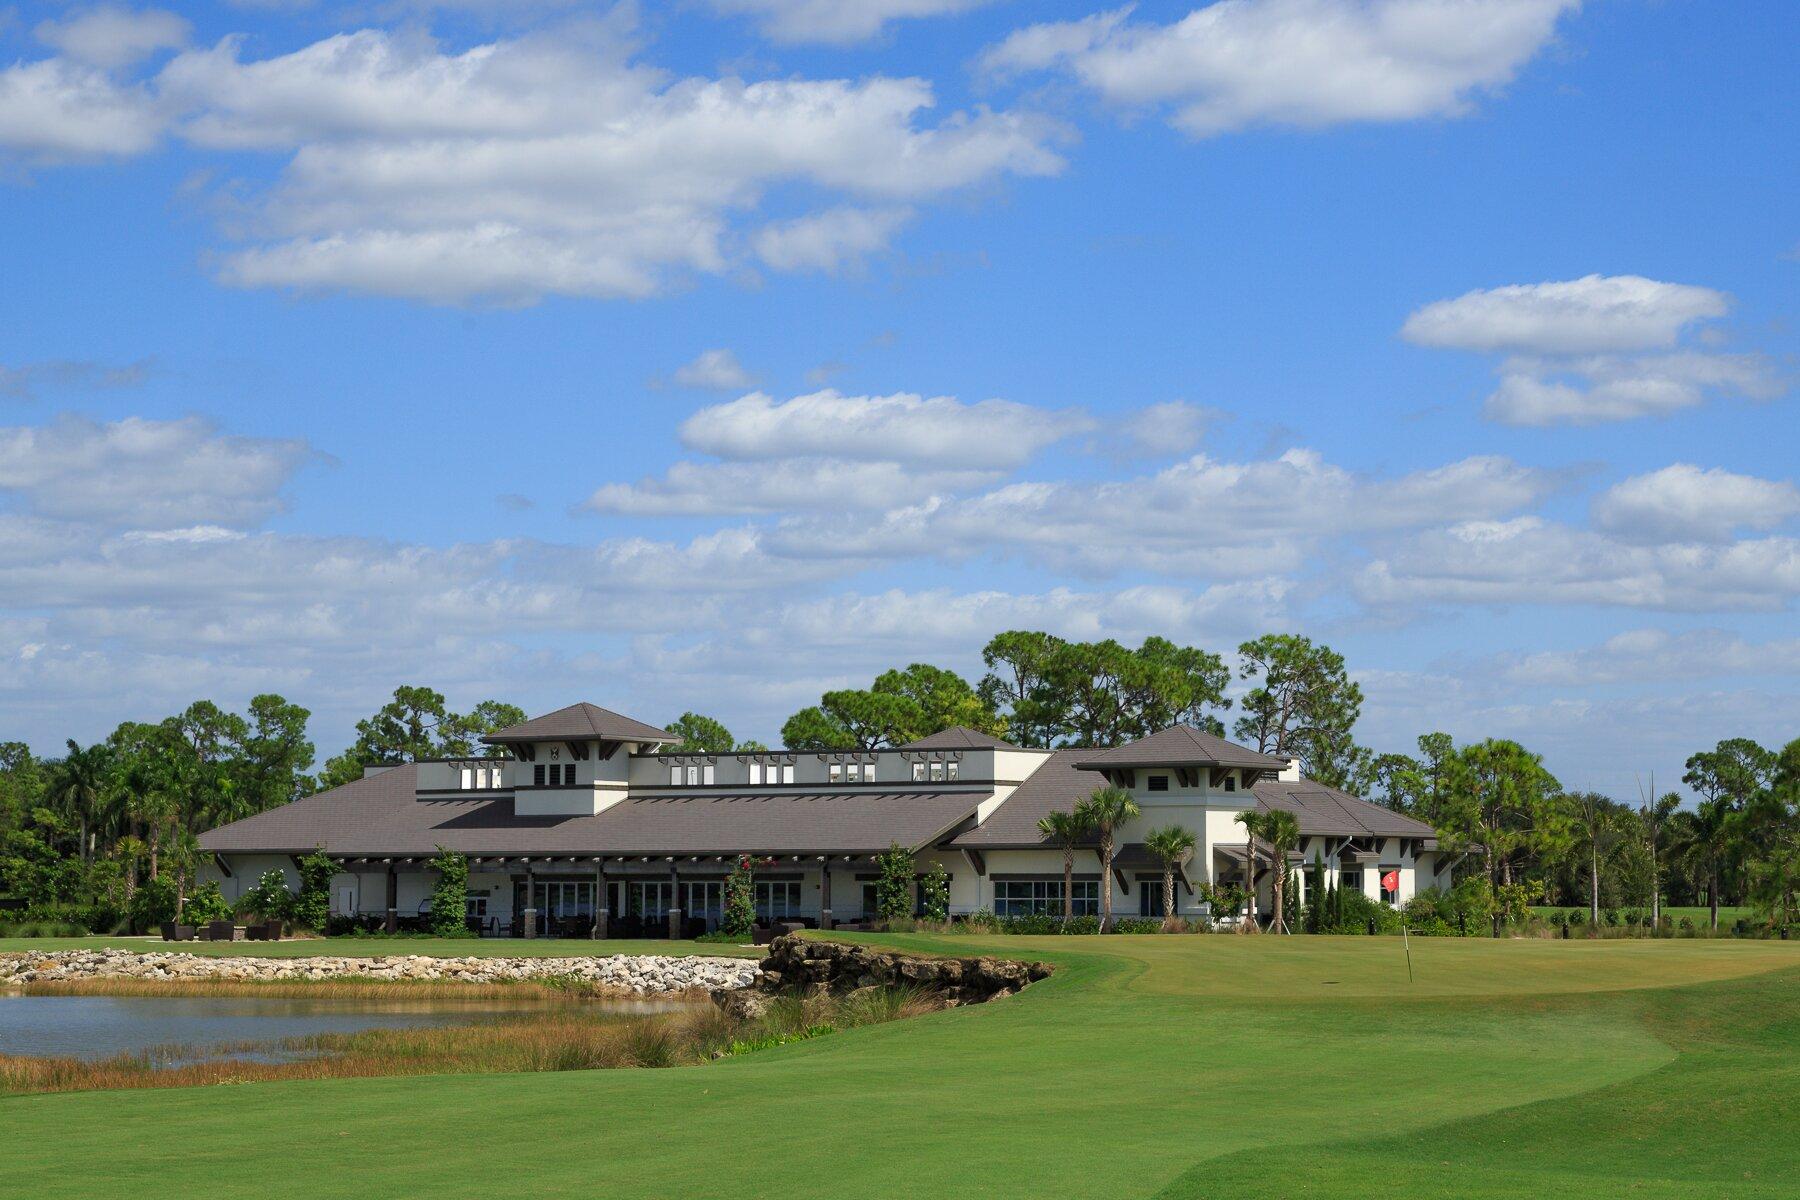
[(86, 827)]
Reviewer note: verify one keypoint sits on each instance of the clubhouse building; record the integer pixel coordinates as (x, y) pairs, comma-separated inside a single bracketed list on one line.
[(588, 824)]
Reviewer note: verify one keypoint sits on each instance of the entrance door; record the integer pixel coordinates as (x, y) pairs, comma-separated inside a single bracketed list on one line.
[(344, 904)]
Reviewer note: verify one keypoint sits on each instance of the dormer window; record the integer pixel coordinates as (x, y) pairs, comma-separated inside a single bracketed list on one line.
[(1231, 782), (918, 772), (1159, 783)]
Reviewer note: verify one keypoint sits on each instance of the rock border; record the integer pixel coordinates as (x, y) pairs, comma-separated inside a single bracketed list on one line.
[(632, 974)]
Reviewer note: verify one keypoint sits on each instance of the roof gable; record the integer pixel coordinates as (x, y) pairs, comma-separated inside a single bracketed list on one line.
[(579, 722), (1180, 745), (959, 737)]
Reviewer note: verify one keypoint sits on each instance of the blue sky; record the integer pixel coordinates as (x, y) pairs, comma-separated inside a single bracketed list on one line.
[(708, 355)]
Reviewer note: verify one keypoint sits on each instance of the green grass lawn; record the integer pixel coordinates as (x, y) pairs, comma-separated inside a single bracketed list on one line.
[(1175, 1067), (350, 947)]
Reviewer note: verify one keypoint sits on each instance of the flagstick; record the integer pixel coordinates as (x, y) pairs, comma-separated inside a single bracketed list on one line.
[(1407, 942)]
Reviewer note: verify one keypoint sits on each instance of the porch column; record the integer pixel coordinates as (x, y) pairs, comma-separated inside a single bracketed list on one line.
[(602, 899), (675, 906), (392, 924), (530, 915), (825, 893)]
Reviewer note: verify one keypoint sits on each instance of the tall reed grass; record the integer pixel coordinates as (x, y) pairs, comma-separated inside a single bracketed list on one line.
[(565, 1036)]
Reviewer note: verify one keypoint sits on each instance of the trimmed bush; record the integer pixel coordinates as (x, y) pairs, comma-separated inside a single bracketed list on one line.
[(206, 904), (449, 899), (154, 902)]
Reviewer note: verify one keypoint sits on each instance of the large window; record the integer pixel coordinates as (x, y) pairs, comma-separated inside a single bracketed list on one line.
[(1023, 897), (1350, 879), (777, 899), (705, 898)]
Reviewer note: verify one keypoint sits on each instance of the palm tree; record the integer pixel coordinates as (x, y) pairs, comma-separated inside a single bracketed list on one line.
[(1705, 841), (1653, 817), (1281, 829), (1103, 812), (1252, 820), (1174, 845), (76, 785), (1068, 830), (1598, 829)]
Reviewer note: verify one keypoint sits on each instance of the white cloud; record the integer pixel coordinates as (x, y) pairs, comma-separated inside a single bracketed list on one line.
[(1599, 348), (838, 22), (109, 36), (1652, 655), (1171, 428), (780, 486), (718, 370), (554, 165), (146, 474), (1596, 314), (1200, 517), (830, 241), (1309, 63), (1685, 503), (1528, 560), (940, 432), (57, 110)]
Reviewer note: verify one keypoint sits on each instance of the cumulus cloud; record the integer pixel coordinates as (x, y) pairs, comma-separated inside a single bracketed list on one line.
[(555, 165), (1308, 63), (1683, 503), (830, 241), (1652, 655), (937, 432), (109, 36), (1200, 517), (836, 22), (1595, 314), (1173, 427), (146, 474), (1528, 560), (718, 370), (781, 486), (58, 110), (1598, 348)]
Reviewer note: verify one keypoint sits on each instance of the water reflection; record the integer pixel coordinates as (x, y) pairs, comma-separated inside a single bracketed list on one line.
[(176, 1030)]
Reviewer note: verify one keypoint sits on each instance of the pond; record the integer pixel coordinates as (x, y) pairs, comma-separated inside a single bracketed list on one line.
[(176, 1030)]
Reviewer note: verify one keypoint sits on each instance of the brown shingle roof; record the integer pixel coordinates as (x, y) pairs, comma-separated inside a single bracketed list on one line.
[(1056, 786), (1180, 745), (1323, 810), (380, 817), (579, 722), (959, 737)]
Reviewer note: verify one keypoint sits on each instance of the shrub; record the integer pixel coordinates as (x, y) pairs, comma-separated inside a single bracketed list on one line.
[(206, 904), (1137, 925), (449, 899), (936, 893), (311, 909), (979, 921), (154, 902), (269, 899), (738, 921), (893, 890)]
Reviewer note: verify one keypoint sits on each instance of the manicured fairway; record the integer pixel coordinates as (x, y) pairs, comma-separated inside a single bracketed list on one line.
[(1153, 1066)]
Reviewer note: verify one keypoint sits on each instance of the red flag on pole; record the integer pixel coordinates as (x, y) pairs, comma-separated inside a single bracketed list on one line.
[(1390, 881)]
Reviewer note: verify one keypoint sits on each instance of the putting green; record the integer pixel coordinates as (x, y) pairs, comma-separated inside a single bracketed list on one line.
[(1183, 1066)]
